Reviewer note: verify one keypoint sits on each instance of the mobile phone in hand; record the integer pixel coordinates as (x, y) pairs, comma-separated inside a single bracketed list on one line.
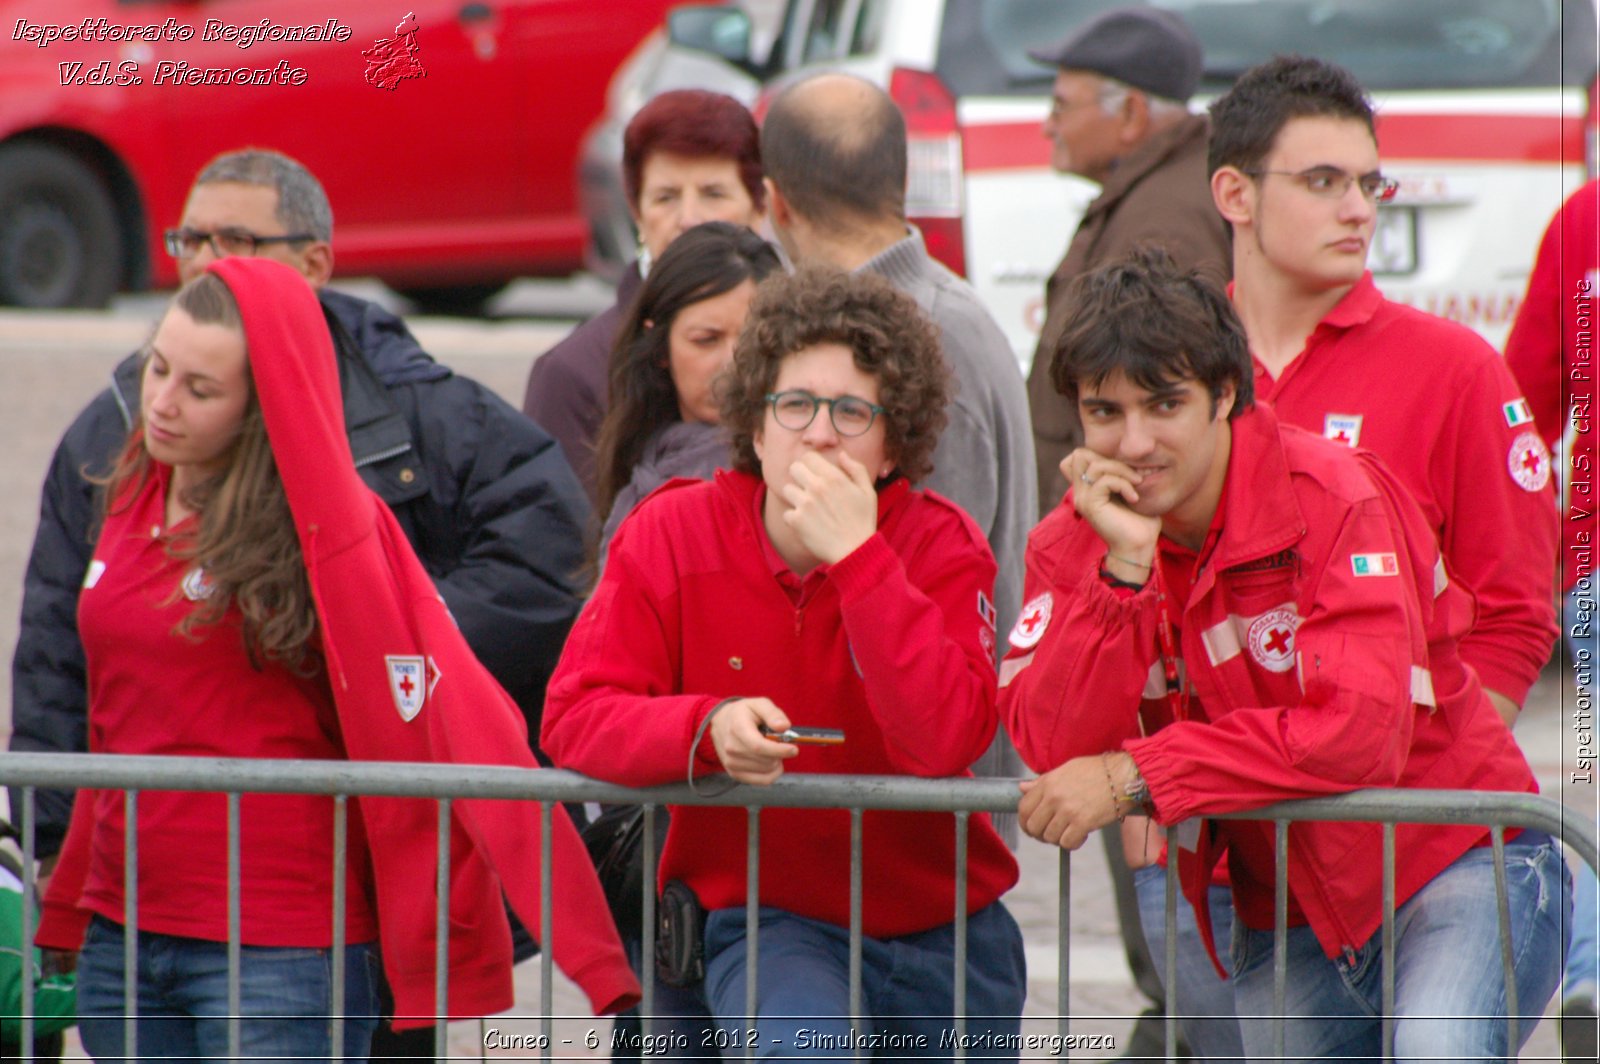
[(806, 736)]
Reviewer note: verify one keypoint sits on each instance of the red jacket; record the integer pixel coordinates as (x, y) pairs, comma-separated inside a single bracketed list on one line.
[(1551, 352), (1438, 406), (408, 688), (893, 644), (1307, 639)]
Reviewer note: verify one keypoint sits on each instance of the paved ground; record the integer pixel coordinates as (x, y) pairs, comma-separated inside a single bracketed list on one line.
[(51, 364)]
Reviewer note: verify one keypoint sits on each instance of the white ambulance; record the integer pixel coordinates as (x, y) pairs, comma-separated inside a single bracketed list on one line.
[(1485, 115)]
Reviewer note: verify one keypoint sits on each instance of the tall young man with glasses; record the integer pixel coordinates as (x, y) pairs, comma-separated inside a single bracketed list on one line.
[(1295, 170), (483, 494)]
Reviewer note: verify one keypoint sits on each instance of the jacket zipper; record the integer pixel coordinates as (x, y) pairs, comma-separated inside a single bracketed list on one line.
[(381, 455)]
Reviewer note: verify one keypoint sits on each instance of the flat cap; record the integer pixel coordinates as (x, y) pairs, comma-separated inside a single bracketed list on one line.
[(1149, 48)]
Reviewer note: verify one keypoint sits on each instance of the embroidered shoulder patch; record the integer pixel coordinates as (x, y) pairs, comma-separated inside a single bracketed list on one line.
[(407, 683), (1381, 564), (1032, 622), (1528, 462), (1517, 412)]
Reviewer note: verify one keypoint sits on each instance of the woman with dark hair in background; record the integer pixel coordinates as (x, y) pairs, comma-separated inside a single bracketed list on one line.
[(689, 156), (676, 341)]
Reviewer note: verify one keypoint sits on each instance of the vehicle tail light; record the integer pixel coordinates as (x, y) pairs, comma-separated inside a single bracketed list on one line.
[(934, 176), (1591, 130)]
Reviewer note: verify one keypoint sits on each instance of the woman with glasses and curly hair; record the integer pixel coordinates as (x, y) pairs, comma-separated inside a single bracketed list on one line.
[(811, 586), (250, 597)]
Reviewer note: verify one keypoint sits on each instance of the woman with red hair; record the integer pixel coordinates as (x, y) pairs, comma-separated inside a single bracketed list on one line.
[(689, 156)]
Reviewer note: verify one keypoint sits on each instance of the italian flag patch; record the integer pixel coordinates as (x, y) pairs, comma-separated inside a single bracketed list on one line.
[(1517, 412), (1384, 564)]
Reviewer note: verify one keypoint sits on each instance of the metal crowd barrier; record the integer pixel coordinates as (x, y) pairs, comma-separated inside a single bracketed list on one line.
[(961, 798)]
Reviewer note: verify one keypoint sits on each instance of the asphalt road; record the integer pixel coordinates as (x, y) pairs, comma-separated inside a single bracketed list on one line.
[(51, 364)]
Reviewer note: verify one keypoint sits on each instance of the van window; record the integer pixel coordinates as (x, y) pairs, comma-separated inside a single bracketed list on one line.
[(1386, 44)]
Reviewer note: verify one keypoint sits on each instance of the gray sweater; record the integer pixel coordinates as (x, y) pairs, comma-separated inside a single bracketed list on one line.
[(984, 462)]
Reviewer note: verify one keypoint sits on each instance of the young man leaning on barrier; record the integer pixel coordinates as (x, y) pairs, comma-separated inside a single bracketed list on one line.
[(1227, 612)]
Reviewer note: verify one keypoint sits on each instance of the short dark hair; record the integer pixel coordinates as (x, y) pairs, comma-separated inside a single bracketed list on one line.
[(1144, 317), (302, 204), (704, 262), (835, 168), (1246, 120), (697, 124), (885, 331)]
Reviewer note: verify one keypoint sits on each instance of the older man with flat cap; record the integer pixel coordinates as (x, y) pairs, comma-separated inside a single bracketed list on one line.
[(1119, 116)]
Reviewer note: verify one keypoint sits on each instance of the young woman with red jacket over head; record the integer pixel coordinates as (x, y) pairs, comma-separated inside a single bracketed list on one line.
[(250, 597)]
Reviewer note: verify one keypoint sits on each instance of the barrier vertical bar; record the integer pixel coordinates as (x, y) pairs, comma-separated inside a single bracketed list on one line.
[(752, 922), (960, 980), (855, 932), (341, 845), (1388, 941), (1280, 939), (1064, 945), (130, 923), (1497, 839), (235, 950), (647, 889), (546, 894), (1170, 964), (29, 884), (441, 945)]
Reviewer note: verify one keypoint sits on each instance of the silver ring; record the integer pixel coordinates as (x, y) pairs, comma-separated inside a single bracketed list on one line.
[(1085, 477)]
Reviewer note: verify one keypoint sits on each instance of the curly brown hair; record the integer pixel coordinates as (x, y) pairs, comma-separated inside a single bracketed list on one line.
[(882, 327), (245, 540)]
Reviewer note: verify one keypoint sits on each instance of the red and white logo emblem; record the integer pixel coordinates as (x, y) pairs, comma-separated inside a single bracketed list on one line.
[(1271, 639), (1032, 622), (407, 683), (197, 585), (1343, 428), (1529, 462)]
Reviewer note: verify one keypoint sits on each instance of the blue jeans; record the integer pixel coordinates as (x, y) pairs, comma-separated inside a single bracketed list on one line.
[(1581, 629), (680, 1028), (1450, 997), (1200, 991), (1583, 956), (285, 995), (907, 987)]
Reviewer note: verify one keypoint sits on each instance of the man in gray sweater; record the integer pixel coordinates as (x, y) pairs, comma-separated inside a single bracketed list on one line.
[(834, 148)]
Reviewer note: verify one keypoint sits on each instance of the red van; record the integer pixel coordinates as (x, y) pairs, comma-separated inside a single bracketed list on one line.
[(447, 145)]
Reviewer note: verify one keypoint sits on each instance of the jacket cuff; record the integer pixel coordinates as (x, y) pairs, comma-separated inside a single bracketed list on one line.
[(705, 751), (1169, 802), (1503, 681), (864, 569), (61, 927)]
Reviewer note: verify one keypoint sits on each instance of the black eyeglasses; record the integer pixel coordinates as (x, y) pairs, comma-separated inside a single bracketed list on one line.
[(186, 243), (1329, 182), (795, 410)]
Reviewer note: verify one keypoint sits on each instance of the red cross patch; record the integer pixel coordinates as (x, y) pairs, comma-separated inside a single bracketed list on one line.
[(1529, 462), (1271, 639), (1342, 428), (1032, 622), (407, 683)]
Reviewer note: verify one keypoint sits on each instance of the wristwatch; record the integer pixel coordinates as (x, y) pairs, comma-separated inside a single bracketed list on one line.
[(1136, 790)]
